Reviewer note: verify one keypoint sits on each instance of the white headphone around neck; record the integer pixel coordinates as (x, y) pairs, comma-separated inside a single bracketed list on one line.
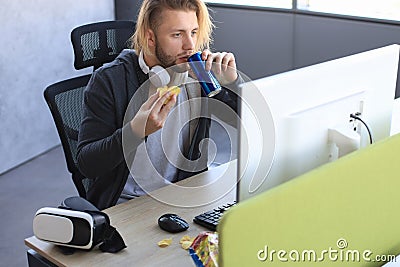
[(158, 76)]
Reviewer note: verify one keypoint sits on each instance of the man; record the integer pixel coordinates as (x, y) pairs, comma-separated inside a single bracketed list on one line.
[(128, 158)]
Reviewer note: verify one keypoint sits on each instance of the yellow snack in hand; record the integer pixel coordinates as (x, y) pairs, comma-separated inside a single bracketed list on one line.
[(165, 242), (174, 90)]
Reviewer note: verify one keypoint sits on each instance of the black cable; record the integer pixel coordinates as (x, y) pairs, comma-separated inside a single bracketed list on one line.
[(366, 126)]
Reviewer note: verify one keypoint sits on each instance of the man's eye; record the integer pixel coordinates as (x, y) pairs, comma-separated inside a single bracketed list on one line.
[(177, 34), (194, 33)]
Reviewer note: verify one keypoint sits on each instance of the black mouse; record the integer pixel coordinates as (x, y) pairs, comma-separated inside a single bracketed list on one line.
[(172, 223)]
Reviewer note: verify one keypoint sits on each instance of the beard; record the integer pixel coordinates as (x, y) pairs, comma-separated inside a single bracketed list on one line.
[(167, 61)]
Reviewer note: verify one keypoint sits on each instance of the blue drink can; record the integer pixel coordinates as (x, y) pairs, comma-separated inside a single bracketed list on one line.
[(207, 80)]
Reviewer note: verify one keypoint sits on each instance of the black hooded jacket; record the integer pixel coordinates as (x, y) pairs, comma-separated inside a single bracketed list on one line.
[(101, 152)]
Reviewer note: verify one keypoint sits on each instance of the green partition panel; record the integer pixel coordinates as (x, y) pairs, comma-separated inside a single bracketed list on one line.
[(346, 213)]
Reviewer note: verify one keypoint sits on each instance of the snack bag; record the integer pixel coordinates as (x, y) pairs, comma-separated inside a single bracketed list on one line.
[(204, 250)]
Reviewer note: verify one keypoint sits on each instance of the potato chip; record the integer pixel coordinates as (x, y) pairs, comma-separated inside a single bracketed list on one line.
[(185, 238), (162, 90), (174, 90), (186, 244), (165, 242)]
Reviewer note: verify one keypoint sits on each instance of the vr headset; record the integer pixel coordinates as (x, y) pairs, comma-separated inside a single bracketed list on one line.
[(77, 224)]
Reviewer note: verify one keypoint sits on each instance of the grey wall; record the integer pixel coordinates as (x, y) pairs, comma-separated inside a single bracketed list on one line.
[(262, 42), (267, 42), (318, 39), (35, 51), (126, 9)]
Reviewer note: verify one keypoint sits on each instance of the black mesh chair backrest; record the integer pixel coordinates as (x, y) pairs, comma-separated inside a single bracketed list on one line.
[(65, 100), (98, 43)]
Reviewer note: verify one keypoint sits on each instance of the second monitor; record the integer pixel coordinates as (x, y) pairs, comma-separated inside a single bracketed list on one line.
[(298, 120)]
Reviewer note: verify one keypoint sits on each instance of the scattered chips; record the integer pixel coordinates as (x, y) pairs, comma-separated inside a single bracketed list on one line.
[(186, 241), (185, 238), (186, 244), (165, 242), (174, 90)]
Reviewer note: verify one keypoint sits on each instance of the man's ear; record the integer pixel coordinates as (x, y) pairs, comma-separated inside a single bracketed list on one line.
[(151, 38)]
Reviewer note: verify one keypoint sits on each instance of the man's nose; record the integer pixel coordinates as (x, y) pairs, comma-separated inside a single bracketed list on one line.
[(189, 43)]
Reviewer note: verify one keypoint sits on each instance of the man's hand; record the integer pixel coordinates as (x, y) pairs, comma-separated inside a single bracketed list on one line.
[(152, 114), (223, 65)]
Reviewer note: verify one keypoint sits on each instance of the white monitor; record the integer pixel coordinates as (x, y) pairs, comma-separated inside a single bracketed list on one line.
[(298, 120)]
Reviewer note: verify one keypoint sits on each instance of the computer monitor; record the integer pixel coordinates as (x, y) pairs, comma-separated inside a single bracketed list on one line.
[(296, 121)]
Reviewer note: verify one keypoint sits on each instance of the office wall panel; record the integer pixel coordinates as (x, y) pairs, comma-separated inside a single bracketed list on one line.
[(36, 51), (126, 9), (318, 39), (262, 43)]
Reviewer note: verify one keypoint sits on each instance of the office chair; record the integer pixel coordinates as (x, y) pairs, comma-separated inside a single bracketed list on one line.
[(98, 43), (65, 100)]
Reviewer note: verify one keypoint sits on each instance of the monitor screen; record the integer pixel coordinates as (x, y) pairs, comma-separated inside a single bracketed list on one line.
[(296, 121)]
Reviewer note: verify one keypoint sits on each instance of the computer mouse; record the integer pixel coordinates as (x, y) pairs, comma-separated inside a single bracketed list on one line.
[(172, 223)]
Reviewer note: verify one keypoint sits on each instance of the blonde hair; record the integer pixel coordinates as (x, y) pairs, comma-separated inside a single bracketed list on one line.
[(149, 15)]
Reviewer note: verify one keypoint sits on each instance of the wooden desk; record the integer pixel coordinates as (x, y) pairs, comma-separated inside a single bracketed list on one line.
[(136, 221)]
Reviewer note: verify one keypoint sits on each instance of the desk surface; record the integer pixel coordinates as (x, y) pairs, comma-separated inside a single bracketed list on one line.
[(136, 220)]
